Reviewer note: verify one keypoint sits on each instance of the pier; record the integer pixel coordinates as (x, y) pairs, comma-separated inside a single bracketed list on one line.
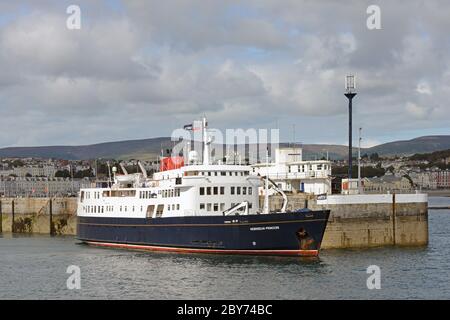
[(363, 221), (356, 221)]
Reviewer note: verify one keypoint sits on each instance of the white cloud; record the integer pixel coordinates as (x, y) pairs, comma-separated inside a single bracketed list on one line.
[(417, 111), (424, 88), (155, 65)]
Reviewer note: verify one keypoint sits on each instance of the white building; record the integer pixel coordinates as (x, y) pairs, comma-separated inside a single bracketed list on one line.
[(35, 171), (292, 174), (41, 187)]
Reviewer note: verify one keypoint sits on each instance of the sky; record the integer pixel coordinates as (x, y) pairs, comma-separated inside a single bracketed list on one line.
[(140, 69)]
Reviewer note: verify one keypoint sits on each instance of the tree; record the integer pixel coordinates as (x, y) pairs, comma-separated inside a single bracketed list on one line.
[(84, 174), (17, 163), (374, 156), (62, 174)]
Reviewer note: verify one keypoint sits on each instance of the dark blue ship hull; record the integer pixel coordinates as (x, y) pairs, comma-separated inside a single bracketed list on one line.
[(291, 233)]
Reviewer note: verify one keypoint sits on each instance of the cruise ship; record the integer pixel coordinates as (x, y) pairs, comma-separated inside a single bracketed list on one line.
[(197, 207)]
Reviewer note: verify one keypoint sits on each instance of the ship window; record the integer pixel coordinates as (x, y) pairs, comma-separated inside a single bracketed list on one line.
[(209, 173), (250, 190), (223, 173), (244, 190), (222, 190), (216, 173), (159, 210), (168, 207), (216, 190), (202, 191), (216, 207), (249, 205), (123, 193), (230, 173), (208, 190), (173, 207), (150, 210), (238, 190), (222, 206), (171, 193), (232, 190), (208, 206), (132, 209), (178, 206), (202, 206), (236, 173)]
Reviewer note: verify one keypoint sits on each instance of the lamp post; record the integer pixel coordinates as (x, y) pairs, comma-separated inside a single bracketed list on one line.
[(359, 163), (350, 87)]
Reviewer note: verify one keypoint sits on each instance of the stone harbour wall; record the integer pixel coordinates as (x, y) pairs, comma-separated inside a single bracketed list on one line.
[(356, 221), (32, 215), (362, 221)]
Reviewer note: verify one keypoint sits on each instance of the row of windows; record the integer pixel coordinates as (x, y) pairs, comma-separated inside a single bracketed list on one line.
[(174, 207), (304, 167), (217, 206), (96, 195), (221, 190), (147, 195), (244, 190), (165, 194), (170, 193), (224, 173), (212, 190), (103, 209), (212, 206)]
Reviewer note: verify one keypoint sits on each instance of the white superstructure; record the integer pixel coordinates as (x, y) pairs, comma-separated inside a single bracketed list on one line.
[(292, 174), (191, 190)]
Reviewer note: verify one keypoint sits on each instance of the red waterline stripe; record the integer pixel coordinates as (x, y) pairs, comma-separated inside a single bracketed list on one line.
[(309, 253)]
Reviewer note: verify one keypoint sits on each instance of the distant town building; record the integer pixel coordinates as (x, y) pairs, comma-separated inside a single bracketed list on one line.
[(34, 171), (350, 186), (431, 179), (41, 187), (387, 183), (442, 179)]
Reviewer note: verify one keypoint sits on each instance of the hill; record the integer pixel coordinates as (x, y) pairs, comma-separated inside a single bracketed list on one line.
[(146, 149), (426, 144)]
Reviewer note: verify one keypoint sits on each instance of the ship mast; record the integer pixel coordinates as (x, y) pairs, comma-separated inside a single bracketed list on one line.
[(266, 196), (205, 142)]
